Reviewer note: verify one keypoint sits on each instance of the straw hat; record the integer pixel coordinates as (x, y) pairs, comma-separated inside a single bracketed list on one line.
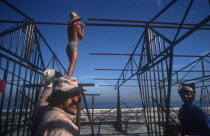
[(74, 17)]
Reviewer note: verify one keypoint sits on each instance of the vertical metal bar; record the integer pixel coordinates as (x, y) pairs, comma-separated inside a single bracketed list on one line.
[(168, 100), (15, 114), (155, 45), (148, 45), (153, 104), (131, 59), (27, 49), (163, 77), (38, 47), (23, 102), (31, 43), (35, 56), (151, 36), (3, 95), (18, 41), (11, 41), (78, 114), (21, 111), (99, 127), (119, 114), (11, 90), (161, 44), (156, 97), (24, 42), (2, 41), (204, 100), (89, 118), (9, 102), (148, 100), (162, 91), (143, 101), (208, 99), (92, 107), (203, 74), (25, 130)]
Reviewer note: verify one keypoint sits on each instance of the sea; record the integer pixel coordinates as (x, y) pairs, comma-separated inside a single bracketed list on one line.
[(108, 105), (130, 104)]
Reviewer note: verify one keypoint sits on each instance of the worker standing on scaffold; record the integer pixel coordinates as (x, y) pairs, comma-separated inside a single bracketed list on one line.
[(75, 31)]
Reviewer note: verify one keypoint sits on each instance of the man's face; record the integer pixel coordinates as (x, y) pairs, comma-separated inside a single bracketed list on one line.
[(70, 105), (187, 96)]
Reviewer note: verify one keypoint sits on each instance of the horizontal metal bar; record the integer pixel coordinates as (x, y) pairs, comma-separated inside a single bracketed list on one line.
[(135, 79), (110, 79), (122, 85), (111, 123), (94, 24), (33, 85), (135, 85), (142, 21), (42, 85), (144, 54), (93, 94), (131, 25), (34, 22), (154, 70), (86, 84)]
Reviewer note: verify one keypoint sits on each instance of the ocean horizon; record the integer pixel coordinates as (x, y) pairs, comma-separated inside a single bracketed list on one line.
[(134, 104), (106, 105)]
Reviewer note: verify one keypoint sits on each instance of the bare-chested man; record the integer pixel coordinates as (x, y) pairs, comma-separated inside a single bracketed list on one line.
[(75, 31)]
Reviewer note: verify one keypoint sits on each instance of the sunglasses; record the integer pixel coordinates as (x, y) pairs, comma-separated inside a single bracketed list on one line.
[(186, 92)]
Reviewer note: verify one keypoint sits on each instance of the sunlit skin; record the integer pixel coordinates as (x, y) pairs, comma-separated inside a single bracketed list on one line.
[(75, 32), (70, 105)]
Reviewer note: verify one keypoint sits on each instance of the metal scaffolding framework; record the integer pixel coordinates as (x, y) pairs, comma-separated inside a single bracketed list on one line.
[(22, 64)]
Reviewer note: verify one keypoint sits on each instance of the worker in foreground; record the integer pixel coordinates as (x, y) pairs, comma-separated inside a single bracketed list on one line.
[(75, 32), (193, 119), (57, 118)]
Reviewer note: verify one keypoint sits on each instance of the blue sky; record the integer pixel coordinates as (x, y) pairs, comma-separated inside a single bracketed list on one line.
[(109, 39)]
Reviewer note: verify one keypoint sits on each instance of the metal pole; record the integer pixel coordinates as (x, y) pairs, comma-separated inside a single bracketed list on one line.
[(119, 115), (89, 118), (92, 107), (78, 114), (144, 54)]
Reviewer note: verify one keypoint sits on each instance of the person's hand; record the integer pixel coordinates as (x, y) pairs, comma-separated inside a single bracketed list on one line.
[(50, 75), (82, 24)]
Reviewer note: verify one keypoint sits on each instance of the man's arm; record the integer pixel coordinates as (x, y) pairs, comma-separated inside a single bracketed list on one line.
[(80, 31)]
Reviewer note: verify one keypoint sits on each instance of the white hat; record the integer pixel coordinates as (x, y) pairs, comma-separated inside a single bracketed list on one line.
[(66, 84)]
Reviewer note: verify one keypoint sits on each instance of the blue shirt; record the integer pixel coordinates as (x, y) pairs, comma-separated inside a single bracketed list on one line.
[(194, 120)]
